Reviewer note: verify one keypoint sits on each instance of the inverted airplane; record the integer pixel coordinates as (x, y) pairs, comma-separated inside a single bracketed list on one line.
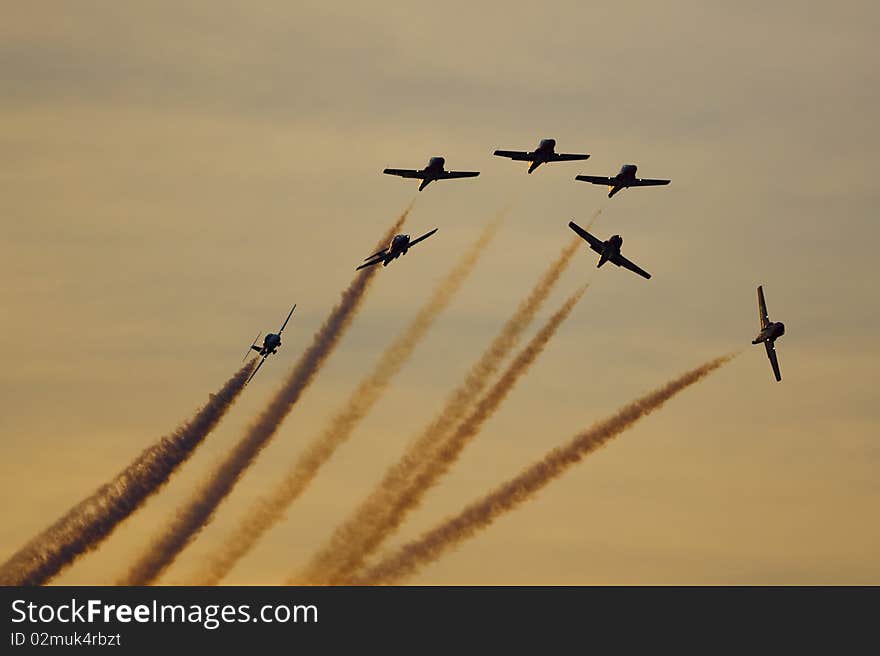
[(433, 171), (770, 332), (609, 251), (400, 245), (625, 178), (271, 342), (545, 152)]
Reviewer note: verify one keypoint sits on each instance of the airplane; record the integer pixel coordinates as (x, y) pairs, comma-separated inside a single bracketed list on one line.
[(433, 171), (271, 342), (609, 251), (624, 179), (770, 332), (545, 152), (399, 246)]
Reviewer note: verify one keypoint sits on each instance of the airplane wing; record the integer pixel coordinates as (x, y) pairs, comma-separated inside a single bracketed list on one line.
[(568, 157), (284, 325), (405, 173), (254, 373), (762, 308), (771, 353), (368, 264), (382, 252), (647, 182), (596, 179), (448, 175), (518, 155), (620, 260), (596, 244), (422, 238), (249, 350)]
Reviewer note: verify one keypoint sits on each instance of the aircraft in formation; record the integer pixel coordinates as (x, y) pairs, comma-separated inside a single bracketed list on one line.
[(433, 171), (609, 251), (544, 153), (400, 245), (271, 342), (770, 332), (624, 179)]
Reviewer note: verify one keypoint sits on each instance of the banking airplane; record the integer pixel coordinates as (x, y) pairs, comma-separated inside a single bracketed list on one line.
[(433, 171), (545, 152), (399, 246), (609, 251), (271, 342), (770, 332), (624, 179)]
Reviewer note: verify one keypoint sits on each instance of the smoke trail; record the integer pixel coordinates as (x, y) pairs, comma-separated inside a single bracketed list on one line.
[(189, 520), (481, 513), (593, 219), (92, 520), (270, 509), (357, 535), (447, 453)]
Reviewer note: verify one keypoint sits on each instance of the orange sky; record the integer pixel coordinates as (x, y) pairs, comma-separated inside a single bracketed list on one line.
[(175, 178)]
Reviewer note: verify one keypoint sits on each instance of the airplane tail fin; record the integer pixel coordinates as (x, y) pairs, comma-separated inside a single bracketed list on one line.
[(424, 184), (533, 166)]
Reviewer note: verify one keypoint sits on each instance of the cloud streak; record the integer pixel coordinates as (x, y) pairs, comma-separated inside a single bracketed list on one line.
[(85, 526), (189, 520), (448, 452), (410, 558), (341, 555), (268, 510)]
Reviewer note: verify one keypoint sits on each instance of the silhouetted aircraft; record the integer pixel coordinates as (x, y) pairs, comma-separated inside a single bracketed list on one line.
[(545, 152), (399, 246), (609, 251), (433, 171), (271, 342), (770, 332), (625, 178)]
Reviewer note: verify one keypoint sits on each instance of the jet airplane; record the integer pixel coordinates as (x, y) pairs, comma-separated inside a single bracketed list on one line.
[(545, 152), (770, 332), (433, 171), (609, 251), (624, 179), (271, 342), (400, 245)]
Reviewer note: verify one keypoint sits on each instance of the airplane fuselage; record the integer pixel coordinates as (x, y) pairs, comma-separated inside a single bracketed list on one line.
[(432, 171), (624, 178), (627, 173), (611, 249), (271, 342), (399, 246), (770, 333), (435, 166), (544, 151), (542, 154)]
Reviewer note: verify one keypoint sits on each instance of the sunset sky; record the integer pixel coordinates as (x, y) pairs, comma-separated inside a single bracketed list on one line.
[(177, 175)]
